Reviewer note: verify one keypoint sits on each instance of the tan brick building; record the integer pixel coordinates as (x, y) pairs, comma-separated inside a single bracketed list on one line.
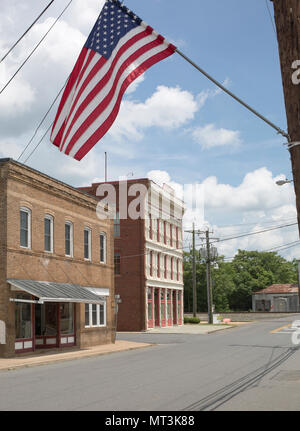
[(56, 266), (148, 254)]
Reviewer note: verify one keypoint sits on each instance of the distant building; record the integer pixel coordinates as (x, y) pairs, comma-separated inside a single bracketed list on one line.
[(56, 266), (148, 256), (277, 298)]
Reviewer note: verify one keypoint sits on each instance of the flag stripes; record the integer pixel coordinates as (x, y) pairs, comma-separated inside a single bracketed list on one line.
[(93, 95)]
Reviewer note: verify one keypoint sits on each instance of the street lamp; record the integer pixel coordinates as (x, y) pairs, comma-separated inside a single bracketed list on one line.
[(283, 182)]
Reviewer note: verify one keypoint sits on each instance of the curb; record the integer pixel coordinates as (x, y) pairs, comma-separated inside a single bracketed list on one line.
[(90, 355)]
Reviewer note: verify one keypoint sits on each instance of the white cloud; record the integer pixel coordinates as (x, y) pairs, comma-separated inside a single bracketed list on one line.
[(258, 203), (210, 136), (168, 108)]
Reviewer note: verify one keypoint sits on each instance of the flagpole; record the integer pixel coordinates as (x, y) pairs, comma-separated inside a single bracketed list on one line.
[(279, 131)]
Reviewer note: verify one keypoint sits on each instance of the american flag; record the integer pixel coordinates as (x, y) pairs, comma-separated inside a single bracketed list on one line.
[(119, 49)]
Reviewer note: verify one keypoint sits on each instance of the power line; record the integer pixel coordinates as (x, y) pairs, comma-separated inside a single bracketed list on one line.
[(40, 141), (277, 248), (257, 223), (255, 233), (35, 48), (40, 124), (30, 27), (246, 234), (270, 15)]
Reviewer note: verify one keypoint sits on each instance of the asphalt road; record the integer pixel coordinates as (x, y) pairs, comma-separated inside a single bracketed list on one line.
[(245, 368)]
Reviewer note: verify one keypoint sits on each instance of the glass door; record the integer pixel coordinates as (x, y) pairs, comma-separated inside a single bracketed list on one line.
[(150, 308), (24, 312), (46, 327), (67, 324)]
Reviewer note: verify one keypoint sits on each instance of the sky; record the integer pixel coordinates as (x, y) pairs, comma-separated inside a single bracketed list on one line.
[(174, 125)]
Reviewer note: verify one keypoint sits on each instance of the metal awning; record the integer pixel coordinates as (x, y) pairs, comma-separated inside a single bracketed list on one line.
[(49, 291)]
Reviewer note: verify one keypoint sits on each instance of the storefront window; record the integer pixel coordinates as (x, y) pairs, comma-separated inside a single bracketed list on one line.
[(23, 322), (87, 315), (94, 314), (66, 318)]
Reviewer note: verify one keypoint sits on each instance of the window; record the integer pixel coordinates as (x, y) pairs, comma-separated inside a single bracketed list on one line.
[(171, 236), (165, 266), (23, 317), (150, 228), (48, 233), (102, 247), (158, 265), (87, 243), (25, 228), (117, 263), (95, 315), (69, 239), (117, 225), (172, 260), (151, 263)]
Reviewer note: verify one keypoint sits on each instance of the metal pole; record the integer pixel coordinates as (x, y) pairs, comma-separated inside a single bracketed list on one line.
[(208, 280), (281, 132), (194, 276), (105, 168)]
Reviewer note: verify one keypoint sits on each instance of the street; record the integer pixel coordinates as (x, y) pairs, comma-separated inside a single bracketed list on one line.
[(250, 367)]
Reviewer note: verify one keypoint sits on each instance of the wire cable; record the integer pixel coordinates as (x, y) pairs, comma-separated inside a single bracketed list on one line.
[(254, 233), (40, 124), (29, 28), (35, 48), (277, 248), (270, 15), (40, 141)]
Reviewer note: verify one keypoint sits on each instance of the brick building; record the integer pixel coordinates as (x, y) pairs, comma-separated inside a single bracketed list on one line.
[(148, 253), (56, 266)]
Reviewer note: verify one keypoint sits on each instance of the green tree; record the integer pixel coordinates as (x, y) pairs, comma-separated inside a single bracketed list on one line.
[(234, 283)]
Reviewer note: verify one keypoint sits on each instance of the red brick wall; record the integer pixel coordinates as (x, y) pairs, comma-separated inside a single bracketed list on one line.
[(43, 195), (130, 284)]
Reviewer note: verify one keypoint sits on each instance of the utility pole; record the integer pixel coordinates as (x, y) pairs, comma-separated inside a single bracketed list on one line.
[(287, 19), (194, 276), (208, 280), (194, 232), (209, 254)]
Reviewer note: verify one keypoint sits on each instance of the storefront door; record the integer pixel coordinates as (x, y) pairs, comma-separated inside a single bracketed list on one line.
[(162, 308), (150, 308), (46, 325), (174, 307), (156, 305), (24, 316), (169, 307)]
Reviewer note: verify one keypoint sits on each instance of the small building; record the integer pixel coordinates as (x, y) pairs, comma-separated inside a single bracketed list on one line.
[(282, 298), (56, 266), (148, 253)]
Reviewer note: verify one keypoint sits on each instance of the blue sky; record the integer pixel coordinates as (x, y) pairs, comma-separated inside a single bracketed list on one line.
[(173, 125)]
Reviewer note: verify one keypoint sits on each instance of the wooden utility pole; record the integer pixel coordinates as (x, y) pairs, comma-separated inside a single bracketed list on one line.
[(194, 276), (208, 279), (287, 19)]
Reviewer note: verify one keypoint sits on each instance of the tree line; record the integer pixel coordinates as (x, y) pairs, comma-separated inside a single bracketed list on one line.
[(234, 282)]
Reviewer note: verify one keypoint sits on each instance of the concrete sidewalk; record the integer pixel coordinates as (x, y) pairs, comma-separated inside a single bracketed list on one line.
[(47, 357), (198, 329)]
